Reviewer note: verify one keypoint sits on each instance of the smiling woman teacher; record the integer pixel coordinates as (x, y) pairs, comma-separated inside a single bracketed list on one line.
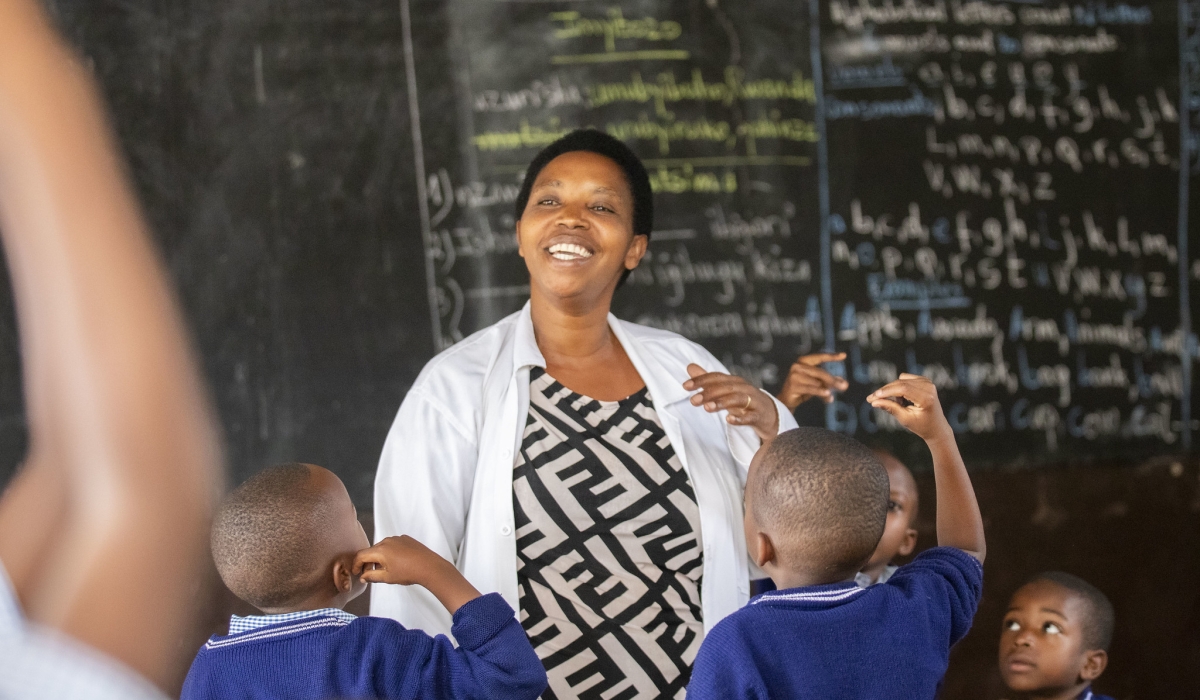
[(588, 469)]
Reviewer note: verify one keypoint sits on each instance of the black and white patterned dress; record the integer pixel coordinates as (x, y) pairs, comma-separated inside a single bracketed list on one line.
[(608, 547)]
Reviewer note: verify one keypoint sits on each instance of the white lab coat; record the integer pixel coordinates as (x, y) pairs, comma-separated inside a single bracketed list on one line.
[(445, 476)]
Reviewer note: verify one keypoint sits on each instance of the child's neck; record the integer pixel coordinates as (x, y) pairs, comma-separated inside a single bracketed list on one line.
[(874, 571), (317, 601), (785, 579), (1068, 694)]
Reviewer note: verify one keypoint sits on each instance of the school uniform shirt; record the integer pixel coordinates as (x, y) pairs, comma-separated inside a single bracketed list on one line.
[(864, 580), (38, 663), (842, 641), (446, 473), (330, 653)]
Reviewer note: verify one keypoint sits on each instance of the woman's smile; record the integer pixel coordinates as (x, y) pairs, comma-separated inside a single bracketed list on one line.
[(569, 252)]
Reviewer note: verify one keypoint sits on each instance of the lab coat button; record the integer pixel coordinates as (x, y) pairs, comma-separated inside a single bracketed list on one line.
[(506, 531)]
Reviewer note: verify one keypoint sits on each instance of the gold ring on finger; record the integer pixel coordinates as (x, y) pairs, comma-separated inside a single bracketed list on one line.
[(749, 400)]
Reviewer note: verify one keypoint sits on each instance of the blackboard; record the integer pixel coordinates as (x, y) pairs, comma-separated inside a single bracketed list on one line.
[(313, 174), (995, 195)]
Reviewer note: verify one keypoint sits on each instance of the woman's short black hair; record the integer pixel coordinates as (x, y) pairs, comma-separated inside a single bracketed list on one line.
[(601, 143)]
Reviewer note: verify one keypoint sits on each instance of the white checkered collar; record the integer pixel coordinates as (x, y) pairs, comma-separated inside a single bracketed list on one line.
[(825, 595), (249, 623)]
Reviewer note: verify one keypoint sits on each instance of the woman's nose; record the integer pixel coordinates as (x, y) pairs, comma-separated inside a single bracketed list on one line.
[(573, 216)]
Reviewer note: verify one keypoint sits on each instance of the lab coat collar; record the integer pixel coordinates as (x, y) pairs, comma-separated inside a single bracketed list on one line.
[(665, 384)]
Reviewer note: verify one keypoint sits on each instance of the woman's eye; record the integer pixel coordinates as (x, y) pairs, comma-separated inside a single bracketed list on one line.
[(546, 201), (1051, 628), (601, 207), (1012, 626), (892, 505)]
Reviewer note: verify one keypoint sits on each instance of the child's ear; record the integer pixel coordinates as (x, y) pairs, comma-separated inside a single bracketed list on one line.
[(765, 551), (909, 543), (1094, 663), (343, 580)]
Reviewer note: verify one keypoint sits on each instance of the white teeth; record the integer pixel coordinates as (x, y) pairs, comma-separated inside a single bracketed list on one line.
[(569, 251)]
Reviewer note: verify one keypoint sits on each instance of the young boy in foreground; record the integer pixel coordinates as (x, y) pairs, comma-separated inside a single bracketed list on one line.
[(1055, 638), (816, 503), (899, 536), (288, 542)]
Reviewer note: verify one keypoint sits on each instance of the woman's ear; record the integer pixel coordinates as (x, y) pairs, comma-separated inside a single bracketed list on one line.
[(518, 236), (636, 251), (1094, 663)]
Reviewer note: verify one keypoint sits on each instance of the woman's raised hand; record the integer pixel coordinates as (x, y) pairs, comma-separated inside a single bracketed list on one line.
[(746, 404), (807, 380)]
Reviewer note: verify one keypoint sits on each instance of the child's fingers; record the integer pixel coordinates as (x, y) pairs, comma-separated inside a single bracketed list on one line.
[(900, 412), (368, 558), (890, 391), (807, 388), (818, 375), (818, 358), (373, 575)]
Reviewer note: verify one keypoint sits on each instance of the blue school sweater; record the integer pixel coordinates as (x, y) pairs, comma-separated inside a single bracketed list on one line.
[(372, 657), (839, 641)]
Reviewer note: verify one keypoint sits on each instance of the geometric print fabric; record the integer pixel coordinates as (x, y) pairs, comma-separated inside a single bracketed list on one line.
[(609, 556)]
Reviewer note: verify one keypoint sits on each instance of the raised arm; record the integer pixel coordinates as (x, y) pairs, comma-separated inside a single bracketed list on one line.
[(806, 379), (104, 532), (913, 400)]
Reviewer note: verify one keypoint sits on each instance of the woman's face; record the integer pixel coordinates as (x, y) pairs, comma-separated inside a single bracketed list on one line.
[(576, 233)]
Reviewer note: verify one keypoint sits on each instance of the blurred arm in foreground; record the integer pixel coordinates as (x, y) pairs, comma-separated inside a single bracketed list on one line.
[(104, 530)]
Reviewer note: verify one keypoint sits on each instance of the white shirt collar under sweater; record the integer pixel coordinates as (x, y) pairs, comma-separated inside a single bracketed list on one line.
[(239, 624), (445, 475)]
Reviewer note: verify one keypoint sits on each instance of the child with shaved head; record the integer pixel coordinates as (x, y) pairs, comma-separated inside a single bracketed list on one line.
[(1055, 637), (899, 536), (288, 542), (816, 504)]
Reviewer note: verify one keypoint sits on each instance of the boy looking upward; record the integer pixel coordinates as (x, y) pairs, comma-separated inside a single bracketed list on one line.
[(816, 503), (289, 543), (1055, 637), (899, 536)]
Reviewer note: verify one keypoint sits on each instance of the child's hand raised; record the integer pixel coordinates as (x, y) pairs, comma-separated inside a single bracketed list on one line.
[(913, 401), (405, 561)]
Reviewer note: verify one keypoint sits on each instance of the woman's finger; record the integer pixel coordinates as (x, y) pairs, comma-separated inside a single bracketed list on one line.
[(711, 379), (740, 401)]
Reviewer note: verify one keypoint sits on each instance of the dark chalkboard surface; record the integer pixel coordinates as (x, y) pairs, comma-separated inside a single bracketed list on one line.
[(990, 194), (993, 193)]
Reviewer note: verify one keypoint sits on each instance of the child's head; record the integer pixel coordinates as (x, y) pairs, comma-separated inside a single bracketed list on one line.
[(899, 535), (287, 537), (816, 502), (1055, 635)]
